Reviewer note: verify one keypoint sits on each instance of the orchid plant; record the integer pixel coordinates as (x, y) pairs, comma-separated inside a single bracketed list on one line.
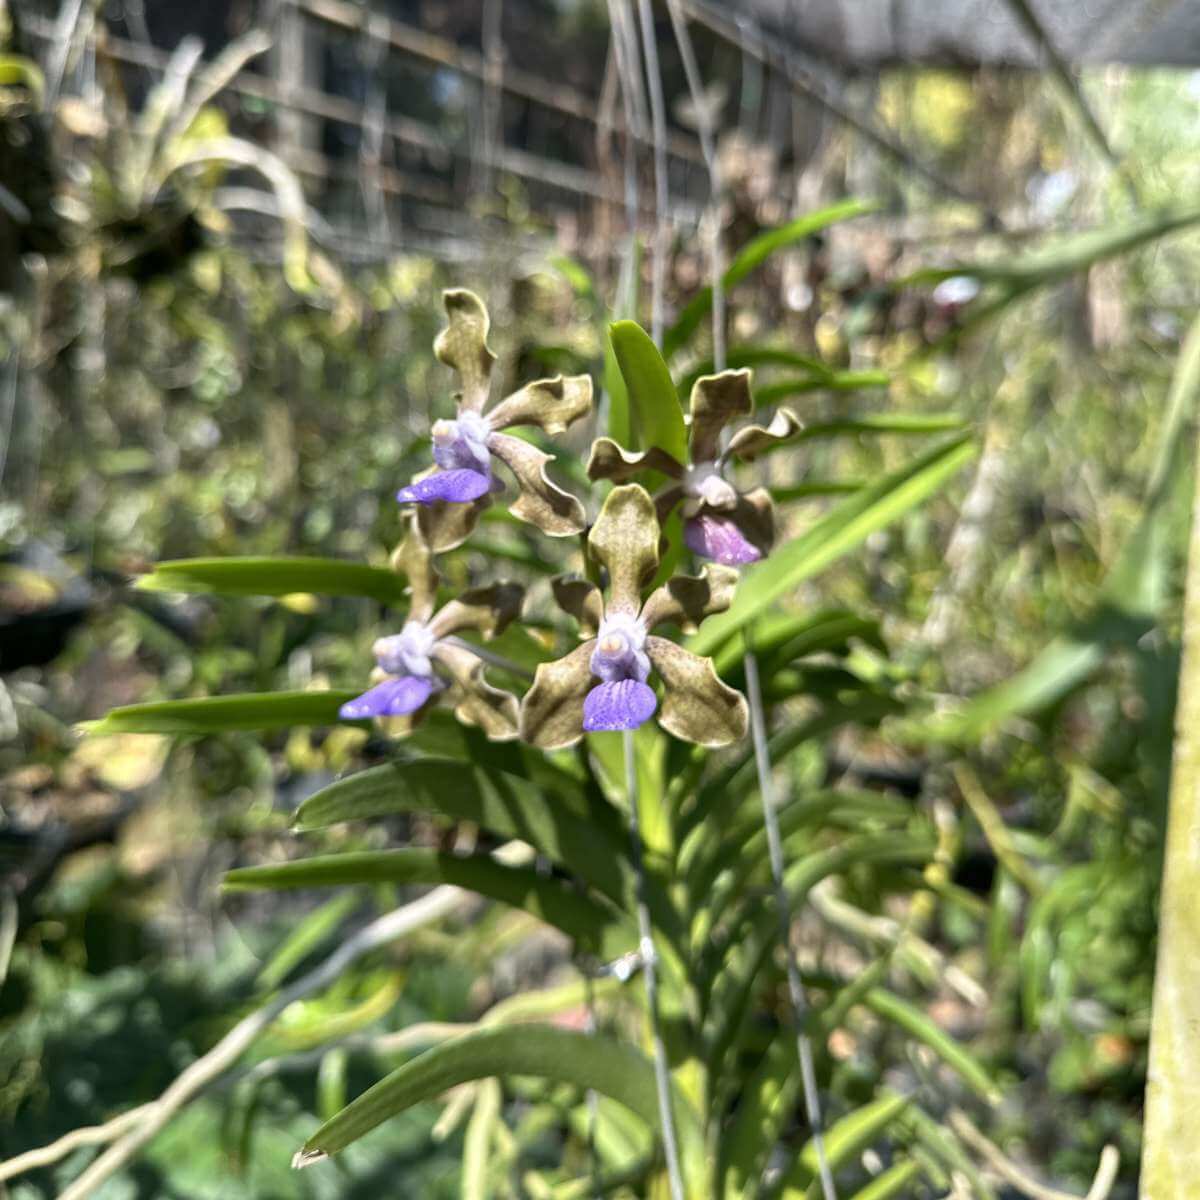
[(664, 869)]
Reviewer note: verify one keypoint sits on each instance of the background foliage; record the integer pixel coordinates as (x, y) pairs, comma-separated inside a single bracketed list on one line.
[(989, 673)]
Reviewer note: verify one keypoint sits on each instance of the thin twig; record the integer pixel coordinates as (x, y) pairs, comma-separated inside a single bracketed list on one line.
[(662, 1069), (430, 907), (796, 993), (1102, 1184), (658, 119)]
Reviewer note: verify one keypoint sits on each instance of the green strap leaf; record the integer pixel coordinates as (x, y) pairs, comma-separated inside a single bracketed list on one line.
[(1068, 254), (850, 1136), (218, 714), (752, 256), (839, 531), (611, 1068), (652, 395), (893, 1182), (577, 915), (917, 1025), (581, 833), (275, 577)]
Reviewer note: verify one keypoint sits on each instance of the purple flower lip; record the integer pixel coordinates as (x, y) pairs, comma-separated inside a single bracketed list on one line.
[(392, 698), (623, 700), (720, 539), (461, 452), (458, 486), (618, 704)]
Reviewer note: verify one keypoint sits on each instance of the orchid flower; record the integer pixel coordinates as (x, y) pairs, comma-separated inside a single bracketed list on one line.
[(720, 523), (465, 449), (603, 683), (415, 666)]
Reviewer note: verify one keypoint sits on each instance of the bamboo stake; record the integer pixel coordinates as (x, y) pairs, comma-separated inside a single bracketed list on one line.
[(1171, 1153)]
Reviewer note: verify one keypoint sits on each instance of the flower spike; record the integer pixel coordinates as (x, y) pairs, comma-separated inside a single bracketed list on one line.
[(720, 523), (415, 666), (603, 683), (465, 449)]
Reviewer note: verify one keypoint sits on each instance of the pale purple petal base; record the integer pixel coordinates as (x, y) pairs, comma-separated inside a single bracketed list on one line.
[(391, 698), (720, 539), (625, 704), (458, 486)]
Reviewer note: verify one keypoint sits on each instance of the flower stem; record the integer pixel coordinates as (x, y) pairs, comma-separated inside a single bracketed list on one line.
[(796, 993), (662, 1070)]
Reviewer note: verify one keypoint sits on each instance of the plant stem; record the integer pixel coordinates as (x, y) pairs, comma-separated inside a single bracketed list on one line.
[(662, 1070), (796, 993)]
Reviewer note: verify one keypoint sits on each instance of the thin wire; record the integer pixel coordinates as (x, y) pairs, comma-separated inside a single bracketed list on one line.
[(708, 147), (762, 757), (630, 92), (593, 1100), (658, 117), (662, 1070), (796, 992)]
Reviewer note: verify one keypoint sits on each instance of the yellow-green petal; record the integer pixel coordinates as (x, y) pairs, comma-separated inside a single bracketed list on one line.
[(750, 442), (477, 702), (624, 539), (697, 706), (552, 710), (686, 600), (550, 404), (463, 347), (413, 557), (581, 599), (540, 502), (717, 400), (610, 461), (489, 610)]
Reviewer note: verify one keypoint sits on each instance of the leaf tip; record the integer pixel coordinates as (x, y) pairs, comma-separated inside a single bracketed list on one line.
[(307, 1158)]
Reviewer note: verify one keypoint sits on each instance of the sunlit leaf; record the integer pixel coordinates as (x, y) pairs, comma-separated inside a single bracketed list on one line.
[(216, 714), (564, 907), (275, 577), (609, 1067)]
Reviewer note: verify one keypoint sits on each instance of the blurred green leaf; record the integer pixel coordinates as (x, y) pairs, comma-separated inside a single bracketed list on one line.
[(557, 904), (216, 714), (1068, 254), (848, 1137), (892, 1182), (924, 1029), (837, 381), (312, 931), (275, 577), (752, 256)]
